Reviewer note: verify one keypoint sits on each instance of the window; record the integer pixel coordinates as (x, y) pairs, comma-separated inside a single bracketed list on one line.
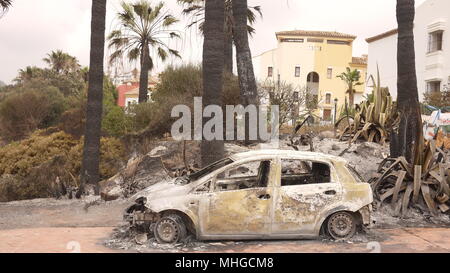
[(328, 98), (329, 72), (252, 174), (208, 169), (314, 40), (435, 41), (299, 172), (292, 40), (270, 71), (337, 42), (297, 71), (326, 114), (203, 188), (434, 86)]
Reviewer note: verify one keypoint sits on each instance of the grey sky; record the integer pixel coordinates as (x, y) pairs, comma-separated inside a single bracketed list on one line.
[(33, 28)]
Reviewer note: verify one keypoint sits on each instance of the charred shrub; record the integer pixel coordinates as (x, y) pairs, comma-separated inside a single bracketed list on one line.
[(43, 164)]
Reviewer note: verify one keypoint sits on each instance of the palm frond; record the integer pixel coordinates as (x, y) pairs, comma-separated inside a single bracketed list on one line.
[(141, 25), (162, 54), (5, 4), (175, 53), (169, 20)]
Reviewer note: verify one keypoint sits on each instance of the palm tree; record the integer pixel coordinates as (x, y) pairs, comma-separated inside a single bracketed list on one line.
[(4, 6), (351, 78), (409, 131), (141, 28), (213, 30), (247, 81), (62, 62), (196, 9), (27, 74), (91, 151)]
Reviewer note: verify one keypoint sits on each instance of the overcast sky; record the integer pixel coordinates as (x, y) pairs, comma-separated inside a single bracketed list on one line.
[(33, 28)]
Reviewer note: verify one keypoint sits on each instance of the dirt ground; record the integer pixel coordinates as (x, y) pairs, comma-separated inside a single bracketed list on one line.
[(64, 226)]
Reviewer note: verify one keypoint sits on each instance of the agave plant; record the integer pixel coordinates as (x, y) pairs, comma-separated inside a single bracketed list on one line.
[(424, 184), (372, 119)]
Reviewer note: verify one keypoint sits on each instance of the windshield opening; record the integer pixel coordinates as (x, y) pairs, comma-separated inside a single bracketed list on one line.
[(210, 168)]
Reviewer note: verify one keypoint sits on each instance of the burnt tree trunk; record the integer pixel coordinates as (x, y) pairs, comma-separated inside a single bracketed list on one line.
[(91, 152), (407, 134), (213, 66), (247, 81)]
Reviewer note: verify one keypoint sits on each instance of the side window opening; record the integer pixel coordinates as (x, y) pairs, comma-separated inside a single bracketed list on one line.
[(300, 172), (253, 174), (203, 188)]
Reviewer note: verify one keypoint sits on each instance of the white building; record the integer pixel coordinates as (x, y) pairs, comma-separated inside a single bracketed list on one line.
[(432, 47)]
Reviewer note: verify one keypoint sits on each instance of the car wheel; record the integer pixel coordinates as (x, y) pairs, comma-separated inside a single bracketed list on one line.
[(341, 225), (170, 229)]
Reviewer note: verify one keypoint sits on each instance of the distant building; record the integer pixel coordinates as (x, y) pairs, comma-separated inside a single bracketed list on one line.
[(123, 89), (132, 95), (313, 59), (119, 77), (432, 47)]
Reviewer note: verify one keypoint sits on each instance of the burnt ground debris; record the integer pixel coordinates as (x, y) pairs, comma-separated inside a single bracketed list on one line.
[(364, 157)]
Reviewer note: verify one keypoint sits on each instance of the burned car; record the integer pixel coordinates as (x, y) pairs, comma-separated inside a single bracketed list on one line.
[(263, 194)]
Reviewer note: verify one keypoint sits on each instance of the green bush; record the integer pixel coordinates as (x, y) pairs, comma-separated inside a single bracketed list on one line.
[(116, 123), (437, 99), (23, 112), (178, 85)]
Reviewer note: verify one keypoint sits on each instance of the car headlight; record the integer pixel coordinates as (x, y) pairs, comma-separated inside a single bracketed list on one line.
[(141, 201)]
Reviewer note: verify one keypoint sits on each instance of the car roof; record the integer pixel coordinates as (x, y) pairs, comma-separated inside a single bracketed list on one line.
[(287, 153)]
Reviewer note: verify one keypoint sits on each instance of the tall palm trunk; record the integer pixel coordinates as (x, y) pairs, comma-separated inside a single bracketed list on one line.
[(145, 67), (228, 50), (213, 64), (91, 151), (247, 81), (351, 95), (407, 134)]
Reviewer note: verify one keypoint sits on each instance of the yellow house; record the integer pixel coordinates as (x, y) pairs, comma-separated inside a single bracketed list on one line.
[(312, 60)]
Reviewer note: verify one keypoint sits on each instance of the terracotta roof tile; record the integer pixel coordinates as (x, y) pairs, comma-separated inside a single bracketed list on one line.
[(312, 33), (382, 35), (359, 60)]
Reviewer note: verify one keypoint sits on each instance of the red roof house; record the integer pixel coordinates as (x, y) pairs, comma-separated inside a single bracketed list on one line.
[(124, 88)]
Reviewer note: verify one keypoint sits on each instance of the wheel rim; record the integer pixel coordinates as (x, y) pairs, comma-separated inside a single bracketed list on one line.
[(340, 225), (168, 231)]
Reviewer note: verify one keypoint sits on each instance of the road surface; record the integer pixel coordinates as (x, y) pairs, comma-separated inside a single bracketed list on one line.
[(66, 226)]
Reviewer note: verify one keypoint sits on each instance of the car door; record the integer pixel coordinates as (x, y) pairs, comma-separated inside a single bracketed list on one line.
[(297, 207), (238, 211)]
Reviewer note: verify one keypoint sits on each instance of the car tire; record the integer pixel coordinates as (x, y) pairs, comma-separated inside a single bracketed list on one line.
[(170, 229), (341, 225)]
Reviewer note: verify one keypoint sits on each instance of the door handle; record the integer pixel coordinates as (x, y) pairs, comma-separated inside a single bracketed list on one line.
[(330, 192), (264, 196)]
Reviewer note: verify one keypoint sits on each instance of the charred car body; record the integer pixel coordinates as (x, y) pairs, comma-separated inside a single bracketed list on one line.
[(264, 194)]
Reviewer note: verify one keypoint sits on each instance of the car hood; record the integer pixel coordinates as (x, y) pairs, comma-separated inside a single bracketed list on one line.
[(170, 188)]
